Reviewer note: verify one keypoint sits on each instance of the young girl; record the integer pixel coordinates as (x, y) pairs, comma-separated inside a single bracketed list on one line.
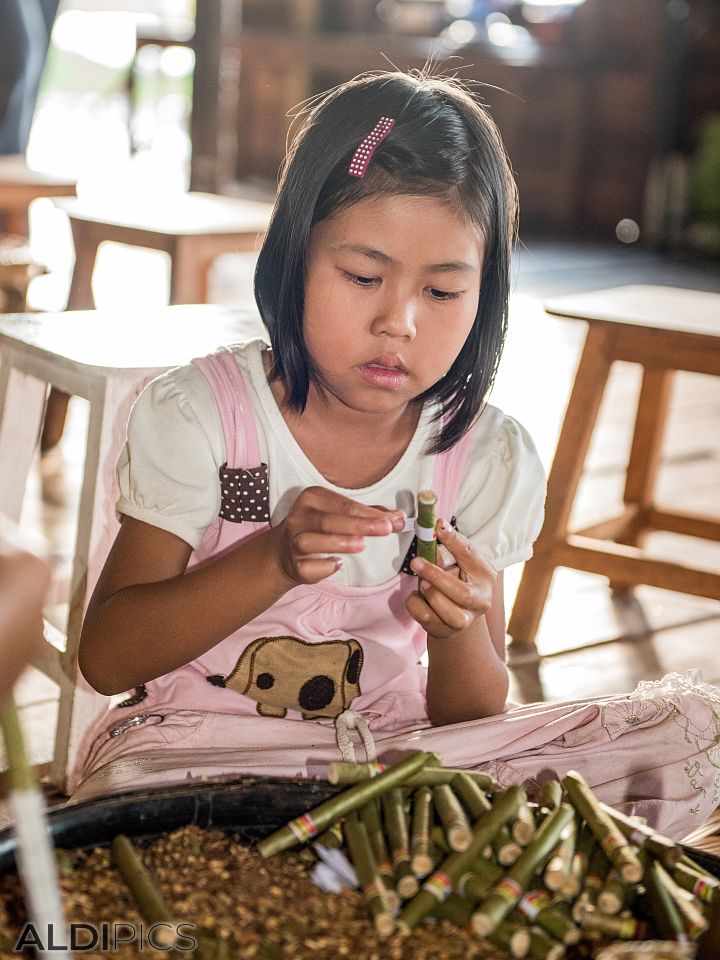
[(262, 595)]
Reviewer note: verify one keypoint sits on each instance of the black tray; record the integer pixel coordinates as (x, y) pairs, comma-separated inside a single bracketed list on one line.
[(249, 806)]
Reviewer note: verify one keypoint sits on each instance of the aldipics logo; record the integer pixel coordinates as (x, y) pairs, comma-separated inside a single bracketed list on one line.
[(108, 937)]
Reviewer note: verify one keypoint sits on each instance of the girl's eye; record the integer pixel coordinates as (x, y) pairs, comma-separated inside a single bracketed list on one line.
[(444, 295), (359, 280)]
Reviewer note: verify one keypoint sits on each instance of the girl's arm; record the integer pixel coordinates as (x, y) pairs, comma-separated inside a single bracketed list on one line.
[(464, 615), (148, 617)]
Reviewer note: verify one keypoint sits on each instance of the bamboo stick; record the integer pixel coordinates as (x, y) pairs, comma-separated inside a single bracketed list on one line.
[(36, 861), (321, 817), (147, 896)]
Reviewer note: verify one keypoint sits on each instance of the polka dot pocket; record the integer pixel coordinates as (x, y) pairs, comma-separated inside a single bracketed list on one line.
[(244, 494)]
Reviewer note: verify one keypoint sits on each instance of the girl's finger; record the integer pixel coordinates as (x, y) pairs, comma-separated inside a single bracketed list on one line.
[(308, 544), (314, 569), (466, 556), (328, 501), (423, 613), (319, 521), (465, 593)]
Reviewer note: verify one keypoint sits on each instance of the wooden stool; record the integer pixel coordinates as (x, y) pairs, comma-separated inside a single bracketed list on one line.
[(193, 228), (105, 358), (19, 186), (17, 269), (664, 330)]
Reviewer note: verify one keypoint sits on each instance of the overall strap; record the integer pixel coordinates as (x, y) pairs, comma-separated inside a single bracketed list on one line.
[(227, 383), (448, 476)]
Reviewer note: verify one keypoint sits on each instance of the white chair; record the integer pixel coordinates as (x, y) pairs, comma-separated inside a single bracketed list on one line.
[(105, 358)]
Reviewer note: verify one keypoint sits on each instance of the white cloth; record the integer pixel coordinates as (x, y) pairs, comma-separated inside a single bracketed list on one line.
[(168, 472)]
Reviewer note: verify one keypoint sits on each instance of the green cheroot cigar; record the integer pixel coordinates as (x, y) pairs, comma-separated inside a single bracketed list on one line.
[(308, 825), (421, 859), (456, 824), (608, 835), (370, 818), (440, 884), (658, 846), (342, 772), (691, 915), (618, 928), (476, 803), (370, 882), (553, 916), (147, 896), (615, 895), (558, 872), (406, 883), (543, 947), (426, 522), (704, 886), (549, 795), (664, 909), (509, 890)]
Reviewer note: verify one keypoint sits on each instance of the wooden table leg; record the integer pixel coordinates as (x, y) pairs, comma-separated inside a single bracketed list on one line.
[(644, 458), (22, 400), (80, 297), (190, 265), (574, 441)]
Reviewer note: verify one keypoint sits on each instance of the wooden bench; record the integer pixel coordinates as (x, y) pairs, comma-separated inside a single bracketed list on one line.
[(105, 358), (663, 329)]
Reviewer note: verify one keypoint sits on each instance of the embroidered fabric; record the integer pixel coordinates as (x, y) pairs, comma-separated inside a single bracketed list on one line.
[(673, 684)]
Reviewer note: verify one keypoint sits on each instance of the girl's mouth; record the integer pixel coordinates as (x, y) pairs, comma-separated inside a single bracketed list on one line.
[(384, 375)]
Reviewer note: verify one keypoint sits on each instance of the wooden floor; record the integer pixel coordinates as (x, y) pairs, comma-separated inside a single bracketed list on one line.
[(588, 644)]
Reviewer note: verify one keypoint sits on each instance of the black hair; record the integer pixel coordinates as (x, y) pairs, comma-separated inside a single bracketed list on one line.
[(444, 144)]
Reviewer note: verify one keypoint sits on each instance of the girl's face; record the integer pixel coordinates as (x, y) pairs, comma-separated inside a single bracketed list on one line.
[(391, 294)]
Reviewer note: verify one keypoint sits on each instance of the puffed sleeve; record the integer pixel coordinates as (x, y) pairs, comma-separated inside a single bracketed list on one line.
[(168, 468), (501, 500)]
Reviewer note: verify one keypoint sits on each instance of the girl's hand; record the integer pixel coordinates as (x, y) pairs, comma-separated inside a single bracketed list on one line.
[(322, 524), (455, 596)]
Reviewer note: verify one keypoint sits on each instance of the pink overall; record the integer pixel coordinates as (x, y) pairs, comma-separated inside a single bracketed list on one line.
[(331, 670)]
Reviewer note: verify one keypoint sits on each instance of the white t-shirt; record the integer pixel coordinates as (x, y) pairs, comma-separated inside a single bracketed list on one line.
[(168, 472)]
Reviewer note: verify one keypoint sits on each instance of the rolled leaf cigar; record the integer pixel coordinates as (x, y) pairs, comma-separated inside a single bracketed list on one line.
[(592, 884), (452, 816), (615, 895), (543, 947), (506, 849), (552, 915), (613, 843), (658, 846), (558, 872), (512, 937), (370, 881), (370, 818), (580, 864), (150, 901), (340, 771), (396, 828), (440, 883), (523, 827), (665, 913), (704, 886), (691, 915), (454, 909), (549, 795), (508, 891), (421, 859), (472, 887), (319, 818), (333, 838), (425, 525), (619, 928)]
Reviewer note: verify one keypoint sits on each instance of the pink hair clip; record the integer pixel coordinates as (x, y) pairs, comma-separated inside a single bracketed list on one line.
[(362, 156)]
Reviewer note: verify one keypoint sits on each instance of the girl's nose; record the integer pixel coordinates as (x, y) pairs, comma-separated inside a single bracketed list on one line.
[(396, 318)]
